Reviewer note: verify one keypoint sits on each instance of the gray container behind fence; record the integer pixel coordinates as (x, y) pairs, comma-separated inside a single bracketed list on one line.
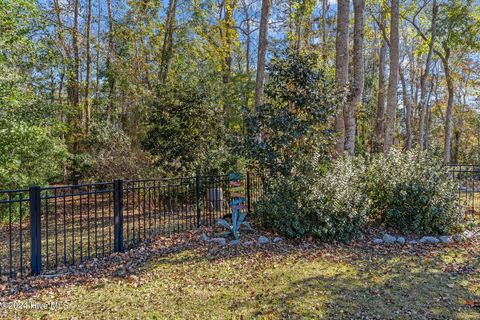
[(215, 199)]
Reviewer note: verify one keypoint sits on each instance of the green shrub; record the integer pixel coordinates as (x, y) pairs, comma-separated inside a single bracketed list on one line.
[(408, 191), (412, 192), (29, 155), (113, 155), (282, 209), (181, 127), (342, 205), (330, 207), (289, 134)]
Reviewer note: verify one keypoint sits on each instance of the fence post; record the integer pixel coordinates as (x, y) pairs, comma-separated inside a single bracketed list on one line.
[(35, 230), (118, 214), (197, 198), (248, 191)]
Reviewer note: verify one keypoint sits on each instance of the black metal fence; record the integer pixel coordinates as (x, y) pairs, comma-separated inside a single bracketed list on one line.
[(42, 229), (468, 178)]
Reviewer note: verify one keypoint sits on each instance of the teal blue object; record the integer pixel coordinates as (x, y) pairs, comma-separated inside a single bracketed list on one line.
[(236, 202), (234, 176), (238, 217)]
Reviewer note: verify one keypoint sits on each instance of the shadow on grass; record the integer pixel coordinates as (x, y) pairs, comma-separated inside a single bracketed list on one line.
[(385, 287), (305, 281), (423, 295)]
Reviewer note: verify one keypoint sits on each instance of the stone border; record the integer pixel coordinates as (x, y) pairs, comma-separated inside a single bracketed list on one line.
[(262, 240), (402, 240)]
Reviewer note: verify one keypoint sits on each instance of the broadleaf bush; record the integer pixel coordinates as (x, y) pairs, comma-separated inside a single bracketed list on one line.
[(330, 207), (408, 191), (413, 193), (290, 134)]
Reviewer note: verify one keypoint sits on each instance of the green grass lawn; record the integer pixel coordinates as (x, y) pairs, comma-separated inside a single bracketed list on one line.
[(288, 281)]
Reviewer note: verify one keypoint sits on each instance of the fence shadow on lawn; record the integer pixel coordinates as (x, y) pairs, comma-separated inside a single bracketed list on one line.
[(414, 293), (359, 279), (297, 279), (359, 282)]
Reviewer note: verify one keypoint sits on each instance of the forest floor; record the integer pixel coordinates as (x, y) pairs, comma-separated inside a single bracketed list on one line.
[(185, 278)]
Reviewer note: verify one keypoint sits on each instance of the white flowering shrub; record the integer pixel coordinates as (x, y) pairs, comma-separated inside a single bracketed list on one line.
[(338, 200), (412, 192), (330, 207), (408, 191)]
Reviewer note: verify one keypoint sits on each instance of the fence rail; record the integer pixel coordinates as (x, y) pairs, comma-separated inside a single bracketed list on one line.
[(42, 229), (468, 179)]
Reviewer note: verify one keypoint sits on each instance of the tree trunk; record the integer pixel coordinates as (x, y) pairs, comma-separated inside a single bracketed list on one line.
[(248, 40), (87, 79), (433, 88), (247, 48), (74, 90), (392, 98), (380, 117), (167, 48), (262, 52), (448, 114), (408, 111), (456, 146), (341, 72), (75, 73), (325, 8), (227, 64), (60, 88), (110, 74), (356, 93), (98, 49), (297, 36), (62, 43), (423, 80)]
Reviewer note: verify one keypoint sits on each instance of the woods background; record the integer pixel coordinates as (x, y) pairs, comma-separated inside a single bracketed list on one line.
[(96, 90)]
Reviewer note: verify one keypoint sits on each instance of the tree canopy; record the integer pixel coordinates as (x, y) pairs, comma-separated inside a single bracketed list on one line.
[(93, 90)]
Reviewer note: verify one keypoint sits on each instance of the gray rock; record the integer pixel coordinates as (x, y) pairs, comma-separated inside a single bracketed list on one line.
[(263, 240), (445, 239), (122, 272), (458, 238), (235, 242), (431, 240), (220, 241), (205, 237), (277, 239), (389, 239), (467, 234), (248, 243), (377, 241), (412, 242), (401, 240)]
